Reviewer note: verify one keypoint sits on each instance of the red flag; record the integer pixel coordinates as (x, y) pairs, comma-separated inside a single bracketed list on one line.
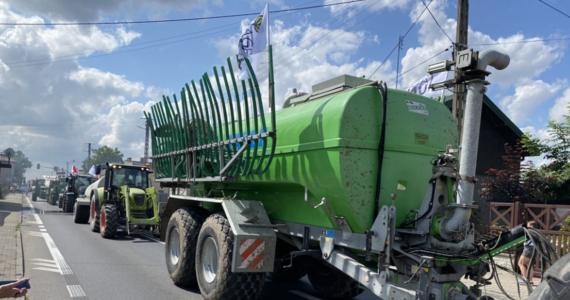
[(74, 169)]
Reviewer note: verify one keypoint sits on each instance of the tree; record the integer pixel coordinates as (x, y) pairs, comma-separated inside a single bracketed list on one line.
[(22, 163), (19, 165), (517, 181), (103, 155)]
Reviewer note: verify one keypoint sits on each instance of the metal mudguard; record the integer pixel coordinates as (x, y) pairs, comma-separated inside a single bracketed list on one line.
[(254, 236)]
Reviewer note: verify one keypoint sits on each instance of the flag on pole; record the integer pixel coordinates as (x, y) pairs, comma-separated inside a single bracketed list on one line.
[(74, 169), (92, 170), (254, 40), (422, 86)]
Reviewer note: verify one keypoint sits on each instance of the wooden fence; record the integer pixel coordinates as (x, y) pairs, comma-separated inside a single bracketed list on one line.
[(498, 215)]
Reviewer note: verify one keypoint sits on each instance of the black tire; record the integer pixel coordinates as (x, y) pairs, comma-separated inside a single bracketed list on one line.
[(219, 282), (109, 221), (297, 269), (332, 283), (60, 202), (180, 244), (80, 214), (69, 202), (94, 216), (34, 198)]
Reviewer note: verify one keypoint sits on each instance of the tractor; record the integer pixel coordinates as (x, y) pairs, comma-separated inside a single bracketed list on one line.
[(36, 189), (55, 187), (122, 195), (76, 186)]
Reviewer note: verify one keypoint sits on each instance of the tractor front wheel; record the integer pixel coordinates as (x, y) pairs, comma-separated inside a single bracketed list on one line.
[(214, 262), (181, 238), (34, 197), (109, 221), (332, 283), (60, 201), (80, 214), (93, 216), (69, 202)]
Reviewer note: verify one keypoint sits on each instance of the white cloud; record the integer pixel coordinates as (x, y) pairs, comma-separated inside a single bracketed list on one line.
[(560, 108), (528, 96), (90, 11)]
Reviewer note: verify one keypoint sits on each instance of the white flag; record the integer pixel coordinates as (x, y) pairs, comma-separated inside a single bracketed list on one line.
[(422, 86), (92, 170), (254, 40)]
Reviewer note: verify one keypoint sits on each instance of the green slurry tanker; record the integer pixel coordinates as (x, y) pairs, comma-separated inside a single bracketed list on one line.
[(354, 185)]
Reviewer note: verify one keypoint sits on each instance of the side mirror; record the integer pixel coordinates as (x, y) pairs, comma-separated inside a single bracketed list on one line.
[(97, 170), (66, 179), (38, 166)]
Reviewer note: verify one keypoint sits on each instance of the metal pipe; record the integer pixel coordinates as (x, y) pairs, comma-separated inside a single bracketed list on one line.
[(459, 220)]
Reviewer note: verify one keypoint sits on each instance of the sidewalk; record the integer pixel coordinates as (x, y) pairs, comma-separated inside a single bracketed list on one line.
[(507, 280), (11, 259)]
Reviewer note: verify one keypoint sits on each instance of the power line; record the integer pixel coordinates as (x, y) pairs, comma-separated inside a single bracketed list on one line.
[(556, 9), (423, 62), (323, 36), (522, 42), (403, 37), (436, 22), (58, 124), (132, 50), (179, 20)]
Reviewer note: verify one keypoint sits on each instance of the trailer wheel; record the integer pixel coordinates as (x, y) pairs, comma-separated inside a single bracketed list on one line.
[(213, 264), (93, 216), (332, 283), (69, 202), (180, 248), (80, 214), (109, 221)]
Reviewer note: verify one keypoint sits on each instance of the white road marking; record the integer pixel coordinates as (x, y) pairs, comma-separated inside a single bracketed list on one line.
[(47, 269), (41, 226), (304, 295), (63, 267), (43, 229), (49, 265), (76, 291), (44, 260)]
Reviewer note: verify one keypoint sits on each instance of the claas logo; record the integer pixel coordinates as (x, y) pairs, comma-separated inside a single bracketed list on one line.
[(258, 22)]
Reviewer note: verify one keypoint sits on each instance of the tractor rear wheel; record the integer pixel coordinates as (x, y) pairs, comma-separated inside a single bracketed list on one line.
[(214, 261), (332, 283), (69, 202), (181, 238), (93, 216), (80, 213), (109, 221)]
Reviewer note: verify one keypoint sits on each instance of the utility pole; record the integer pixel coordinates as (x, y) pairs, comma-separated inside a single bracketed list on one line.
[(400, 43), (88, 155), (460, 44), (146, 142)]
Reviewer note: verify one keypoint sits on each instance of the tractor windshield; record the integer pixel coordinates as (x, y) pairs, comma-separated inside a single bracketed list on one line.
[(131, 177), (82, 181)]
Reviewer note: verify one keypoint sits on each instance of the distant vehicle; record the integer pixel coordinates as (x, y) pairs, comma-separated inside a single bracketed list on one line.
[(23, 189)]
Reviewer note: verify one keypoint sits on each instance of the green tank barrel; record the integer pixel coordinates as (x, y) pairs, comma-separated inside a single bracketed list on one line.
[(329, 146)]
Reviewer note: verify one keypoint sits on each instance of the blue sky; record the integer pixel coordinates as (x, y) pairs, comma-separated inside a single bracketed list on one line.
[(64, 86)]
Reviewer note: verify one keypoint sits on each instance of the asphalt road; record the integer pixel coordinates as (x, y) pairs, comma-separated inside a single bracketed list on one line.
[(65, 260)]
